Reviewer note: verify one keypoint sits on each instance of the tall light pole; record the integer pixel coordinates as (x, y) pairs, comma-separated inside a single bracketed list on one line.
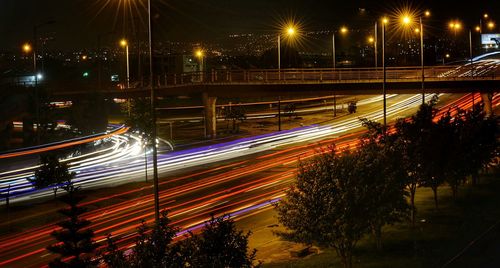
[(427, 14), (35, 73), (384, 23), (200, 56), (343, 30), (290, 31), (422, 58), (153, 117), (375, 45), (124, 44)]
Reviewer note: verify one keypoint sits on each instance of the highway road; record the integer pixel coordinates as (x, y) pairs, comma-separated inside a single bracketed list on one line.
[(250, 174), (107, 166)]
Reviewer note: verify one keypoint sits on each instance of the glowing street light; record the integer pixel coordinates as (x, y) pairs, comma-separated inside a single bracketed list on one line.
[(290, 32), (343, 30), (491, 25), (406, 20), (385, 21), (200, 55), (27, 48), (124, 44)]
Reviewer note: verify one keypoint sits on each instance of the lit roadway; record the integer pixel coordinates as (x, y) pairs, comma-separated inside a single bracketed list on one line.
[(261, 168)]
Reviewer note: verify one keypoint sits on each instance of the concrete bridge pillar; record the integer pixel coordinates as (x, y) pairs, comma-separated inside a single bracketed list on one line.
[(210, 116), (487, 101)]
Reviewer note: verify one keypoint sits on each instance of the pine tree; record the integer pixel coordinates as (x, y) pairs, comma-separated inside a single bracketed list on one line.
[(75, 243), (51, 173)]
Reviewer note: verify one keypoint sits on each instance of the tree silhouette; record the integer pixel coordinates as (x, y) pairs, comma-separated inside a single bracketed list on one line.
[(328, 203), (51, 173), (220, 244), (75, 243)]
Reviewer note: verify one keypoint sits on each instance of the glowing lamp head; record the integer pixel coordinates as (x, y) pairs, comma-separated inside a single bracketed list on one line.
[(485, 16), (417, 30), (447, 55), (27, 48), (427, 13), (123, 43), (406, 20), (491, 25), (199, 53), (371, 40), (478, 29), (290, 31), (84, 57), (343, 30), (385, 20)]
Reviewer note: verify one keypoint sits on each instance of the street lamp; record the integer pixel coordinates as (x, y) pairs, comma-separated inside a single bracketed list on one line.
[(124, 44), (153, 117), (290, 31), (421, 31), (491, 25), (384, 81), (343, 30), (199, 54)]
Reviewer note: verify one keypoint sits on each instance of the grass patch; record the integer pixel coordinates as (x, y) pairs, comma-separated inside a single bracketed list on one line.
[(439, 235)]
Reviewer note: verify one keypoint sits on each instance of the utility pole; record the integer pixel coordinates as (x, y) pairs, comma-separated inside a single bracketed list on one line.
[(153, 117)]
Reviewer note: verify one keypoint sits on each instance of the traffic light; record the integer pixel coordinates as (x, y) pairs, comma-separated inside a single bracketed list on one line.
[(85, 74)]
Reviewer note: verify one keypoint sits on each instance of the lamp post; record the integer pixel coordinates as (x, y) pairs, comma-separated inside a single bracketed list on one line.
[(124, 44), (375, 45), (384, 23), (153, 117), (199, 54), (427, 14), (36, 75), (343, 30), (290, 32)]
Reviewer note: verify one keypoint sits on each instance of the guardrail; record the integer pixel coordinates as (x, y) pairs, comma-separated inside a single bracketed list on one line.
[(273, 76)]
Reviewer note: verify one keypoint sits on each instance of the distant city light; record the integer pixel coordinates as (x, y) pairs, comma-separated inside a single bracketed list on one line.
[(39, 76)]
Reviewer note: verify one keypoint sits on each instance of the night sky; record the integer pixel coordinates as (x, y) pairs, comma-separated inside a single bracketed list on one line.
[(79, 22)]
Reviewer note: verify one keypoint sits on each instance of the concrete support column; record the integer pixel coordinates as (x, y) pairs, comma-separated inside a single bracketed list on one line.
[(487, 100), (210, 115)]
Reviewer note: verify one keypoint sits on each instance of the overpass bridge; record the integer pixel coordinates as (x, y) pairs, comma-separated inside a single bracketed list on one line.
[(482, 75)]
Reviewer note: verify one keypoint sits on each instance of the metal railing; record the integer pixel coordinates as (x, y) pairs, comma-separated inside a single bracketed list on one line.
[(327, 75)]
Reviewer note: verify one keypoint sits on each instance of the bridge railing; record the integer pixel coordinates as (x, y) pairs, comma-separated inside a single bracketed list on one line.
[(270, 76)]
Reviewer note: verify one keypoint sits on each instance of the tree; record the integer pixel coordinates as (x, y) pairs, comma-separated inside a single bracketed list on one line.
[(74, 238), (220, 244), (112, 256), (382, 175), (51, 173), (327, 204), (153, 247), (474, 145), (411, 141)]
